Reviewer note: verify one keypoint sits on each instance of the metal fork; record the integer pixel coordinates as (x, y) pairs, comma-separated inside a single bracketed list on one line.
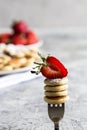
[(56, 113)]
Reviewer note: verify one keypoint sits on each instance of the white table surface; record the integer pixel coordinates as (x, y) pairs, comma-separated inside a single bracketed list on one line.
[(22, 106)]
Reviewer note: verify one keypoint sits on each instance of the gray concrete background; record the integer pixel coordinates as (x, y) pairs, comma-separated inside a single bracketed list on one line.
[(44, 13), (22, 106)]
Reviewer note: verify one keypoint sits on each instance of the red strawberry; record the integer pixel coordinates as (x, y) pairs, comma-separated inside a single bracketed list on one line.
[(20, 27), (5, 37), (52, 68), (50, 73), (31, 37), (54, 63), (18, 40)]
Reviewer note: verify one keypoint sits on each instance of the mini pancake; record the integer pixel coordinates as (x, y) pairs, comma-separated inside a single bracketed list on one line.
[(15, 53), (1, 60), (30, 61), (56, 100), (4, 59), (7, 68), (30, 53), (22, 61), (19, 55), (54, 82), (55, 94), (55, 88), (1, 66), (15, 63)]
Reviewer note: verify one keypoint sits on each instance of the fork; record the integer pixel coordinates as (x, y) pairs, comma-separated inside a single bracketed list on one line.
[(56, 113)]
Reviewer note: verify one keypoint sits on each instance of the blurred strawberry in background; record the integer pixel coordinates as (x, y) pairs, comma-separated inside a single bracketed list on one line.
[(31, 37), (5, 38), (21, 35), (18, 39), (20, 27)]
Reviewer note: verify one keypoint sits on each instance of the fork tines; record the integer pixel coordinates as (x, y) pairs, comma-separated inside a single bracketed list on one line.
[(56, 111)]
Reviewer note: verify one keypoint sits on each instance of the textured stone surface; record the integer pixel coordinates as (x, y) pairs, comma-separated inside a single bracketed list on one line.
[(22, 106)]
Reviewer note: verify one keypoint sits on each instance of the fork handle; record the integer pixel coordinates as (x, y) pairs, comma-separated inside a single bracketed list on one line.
[(56, 126)]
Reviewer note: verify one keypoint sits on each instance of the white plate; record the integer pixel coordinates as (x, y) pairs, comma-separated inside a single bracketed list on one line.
[(19, 47), (34, 45), (16, 71)]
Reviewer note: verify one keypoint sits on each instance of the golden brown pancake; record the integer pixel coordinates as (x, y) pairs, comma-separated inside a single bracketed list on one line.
[(55, 88), (56, 100), (6, 68), (15, 63), (55, 94), (54, 82)]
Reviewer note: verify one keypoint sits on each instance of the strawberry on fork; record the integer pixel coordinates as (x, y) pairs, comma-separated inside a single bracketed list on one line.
[(51, 68)]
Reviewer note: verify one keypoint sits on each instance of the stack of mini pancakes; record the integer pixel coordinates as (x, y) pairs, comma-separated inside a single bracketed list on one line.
[(56, 90)]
